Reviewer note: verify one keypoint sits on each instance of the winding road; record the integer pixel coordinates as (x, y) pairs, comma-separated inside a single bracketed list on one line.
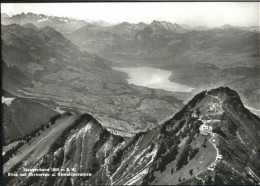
[(217, 111)]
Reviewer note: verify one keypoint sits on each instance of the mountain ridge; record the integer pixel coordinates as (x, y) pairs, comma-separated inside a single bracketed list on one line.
[(62, 24), (164, 154), (42, 19)]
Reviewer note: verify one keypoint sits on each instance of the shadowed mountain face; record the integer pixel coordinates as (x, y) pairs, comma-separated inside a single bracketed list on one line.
[(21, 116), (42, 51), (176, 152)]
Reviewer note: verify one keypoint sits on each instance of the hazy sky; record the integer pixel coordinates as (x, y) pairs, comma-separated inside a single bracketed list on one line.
[(192, 13)]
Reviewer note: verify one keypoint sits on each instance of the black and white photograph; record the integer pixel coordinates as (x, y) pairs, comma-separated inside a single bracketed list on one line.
[(147, 93)]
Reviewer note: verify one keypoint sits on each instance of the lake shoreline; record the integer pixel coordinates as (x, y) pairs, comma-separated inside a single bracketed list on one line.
[(152, 78)]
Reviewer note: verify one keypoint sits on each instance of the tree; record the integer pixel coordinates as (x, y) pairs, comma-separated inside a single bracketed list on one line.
[(193, 152), (204, 143), (183, 159), (197, 111), (181, 135), (168, 157)]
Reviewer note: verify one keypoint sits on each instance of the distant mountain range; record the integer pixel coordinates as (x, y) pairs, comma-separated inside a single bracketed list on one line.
[(67, 25), (62, 24), (159, 37), (251, 28)]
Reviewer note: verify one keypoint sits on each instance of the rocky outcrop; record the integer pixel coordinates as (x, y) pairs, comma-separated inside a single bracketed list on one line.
[(174, 153)]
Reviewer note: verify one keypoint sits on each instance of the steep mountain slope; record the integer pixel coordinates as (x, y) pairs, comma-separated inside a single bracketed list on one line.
[(125, 28), (177, 152), (124, 39), (21, 116), (4, 16), (13, 77), (230, 138), (142, 42), (165, 28), (46, 47), (39, 52)]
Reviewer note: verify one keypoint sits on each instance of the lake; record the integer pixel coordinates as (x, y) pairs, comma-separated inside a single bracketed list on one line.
[(153, 78)]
